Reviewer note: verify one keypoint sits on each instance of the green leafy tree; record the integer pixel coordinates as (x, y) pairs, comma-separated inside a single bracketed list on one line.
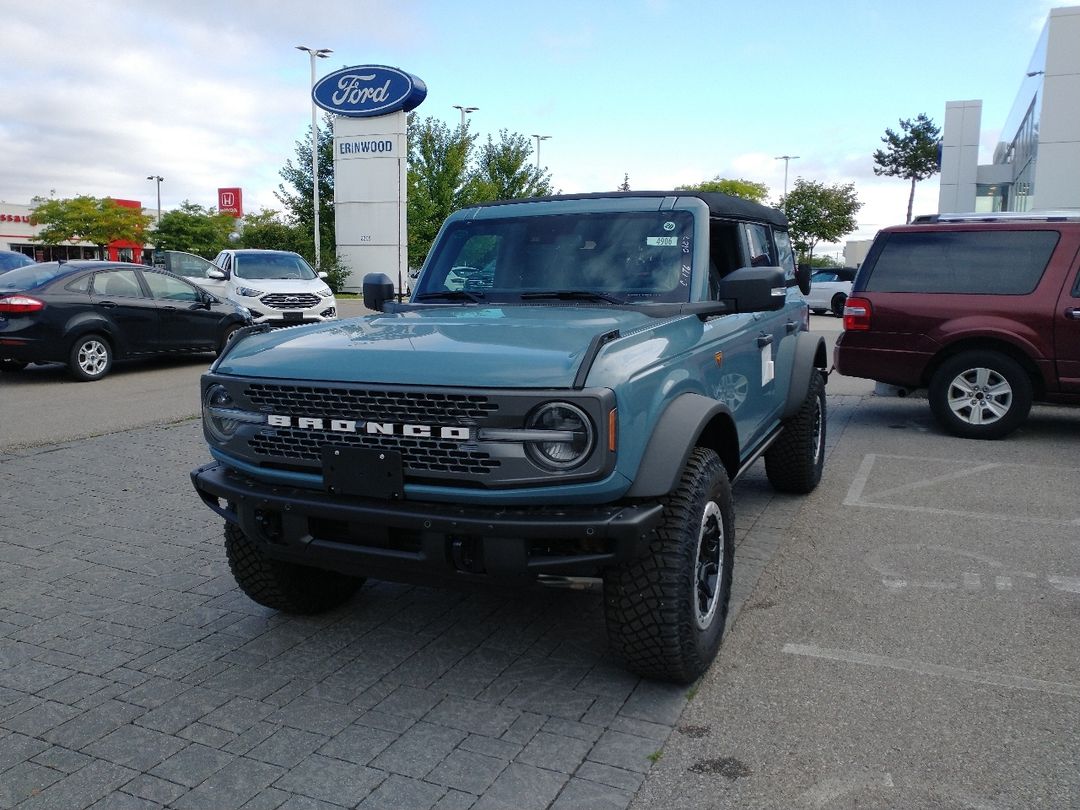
[(268, 230), (911, 154), (439, 180), (502, 170), (819, 213), (295, 192), (747, 189), (194, 229), (99, 221)]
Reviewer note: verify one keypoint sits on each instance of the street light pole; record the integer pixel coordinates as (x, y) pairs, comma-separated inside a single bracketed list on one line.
[(157, 178), (320, 53), (464, 110), (786, 159), (538, 139)]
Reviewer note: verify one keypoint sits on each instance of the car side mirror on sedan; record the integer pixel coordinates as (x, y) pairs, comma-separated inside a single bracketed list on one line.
[(217, 275)]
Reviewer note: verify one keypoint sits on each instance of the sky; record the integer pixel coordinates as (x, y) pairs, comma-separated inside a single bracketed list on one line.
[(213, 93)]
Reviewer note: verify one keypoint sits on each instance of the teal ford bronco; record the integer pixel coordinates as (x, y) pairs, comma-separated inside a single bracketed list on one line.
[(569, 392)]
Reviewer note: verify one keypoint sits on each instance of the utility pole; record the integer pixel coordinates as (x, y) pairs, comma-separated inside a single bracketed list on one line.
[(314, 53), (786, 159)]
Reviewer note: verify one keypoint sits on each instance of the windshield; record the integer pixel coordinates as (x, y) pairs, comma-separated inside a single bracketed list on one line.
[(614, 257), (272, 265), (33, 275)]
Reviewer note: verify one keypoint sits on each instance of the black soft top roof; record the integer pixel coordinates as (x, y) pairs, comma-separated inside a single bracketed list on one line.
[(720, 205)]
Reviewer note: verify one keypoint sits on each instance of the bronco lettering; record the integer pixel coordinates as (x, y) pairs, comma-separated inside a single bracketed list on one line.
[(460, 434)]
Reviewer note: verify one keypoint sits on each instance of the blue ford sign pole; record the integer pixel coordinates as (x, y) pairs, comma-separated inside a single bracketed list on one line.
[(321, 53)]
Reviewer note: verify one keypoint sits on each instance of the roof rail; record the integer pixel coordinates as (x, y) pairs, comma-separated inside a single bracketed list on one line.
[(1011, 216)]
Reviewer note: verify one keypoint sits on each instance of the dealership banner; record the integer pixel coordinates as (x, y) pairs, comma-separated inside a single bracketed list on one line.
[(230, 201)]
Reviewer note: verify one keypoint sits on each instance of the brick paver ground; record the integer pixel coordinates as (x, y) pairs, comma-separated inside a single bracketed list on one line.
[(134, 674)]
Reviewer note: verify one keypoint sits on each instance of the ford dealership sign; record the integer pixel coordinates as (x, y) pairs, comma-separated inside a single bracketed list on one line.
[(368, 90)]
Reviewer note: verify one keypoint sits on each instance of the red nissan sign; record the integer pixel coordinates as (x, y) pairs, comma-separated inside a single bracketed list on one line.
[(230, 201)]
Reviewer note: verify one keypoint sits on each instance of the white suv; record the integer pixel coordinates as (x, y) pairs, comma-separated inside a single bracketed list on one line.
[(278, 286)]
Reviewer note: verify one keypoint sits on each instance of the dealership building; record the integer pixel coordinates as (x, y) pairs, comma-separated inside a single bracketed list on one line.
[(19, 235)]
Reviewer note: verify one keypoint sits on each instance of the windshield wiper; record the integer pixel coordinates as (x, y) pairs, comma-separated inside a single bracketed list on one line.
[(450, 295), (572, 295)]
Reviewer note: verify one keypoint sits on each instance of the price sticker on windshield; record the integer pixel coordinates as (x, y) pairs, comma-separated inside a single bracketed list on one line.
[(662, 241)]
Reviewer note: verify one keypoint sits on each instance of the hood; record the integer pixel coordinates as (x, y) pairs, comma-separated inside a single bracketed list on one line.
[(488, 346)]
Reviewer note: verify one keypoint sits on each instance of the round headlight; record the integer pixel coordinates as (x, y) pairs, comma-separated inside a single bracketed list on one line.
[(217, 405), (572, 436)]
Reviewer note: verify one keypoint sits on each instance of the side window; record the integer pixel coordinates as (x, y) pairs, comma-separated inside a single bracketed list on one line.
[(80, 285), (117, 284), (759, 246), (167, 288), (724, 253), (223, 262), (987, 262), (785, 256)]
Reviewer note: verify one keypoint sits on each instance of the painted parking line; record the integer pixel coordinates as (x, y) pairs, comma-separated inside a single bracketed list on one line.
[(934, 670), (858, 495)]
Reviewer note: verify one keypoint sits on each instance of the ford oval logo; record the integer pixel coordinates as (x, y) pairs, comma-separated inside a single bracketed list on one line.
[(368, 90)]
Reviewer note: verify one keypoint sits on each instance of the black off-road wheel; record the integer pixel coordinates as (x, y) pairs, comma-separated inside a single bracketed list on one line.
[(837, 304), (666, 611), (284, 586), (980, 395), (794, 462)]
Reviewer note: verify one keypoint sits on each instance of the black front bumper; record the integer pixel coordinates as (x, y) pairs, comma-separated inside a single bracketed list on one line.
[(424, 540)]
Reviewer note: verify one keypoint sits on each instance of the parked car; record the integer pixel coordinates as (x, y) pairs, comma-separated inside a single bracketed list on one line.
[(981, 310), (829, 290), (194, 268), (88, 313), (10, 259), (278, 286)]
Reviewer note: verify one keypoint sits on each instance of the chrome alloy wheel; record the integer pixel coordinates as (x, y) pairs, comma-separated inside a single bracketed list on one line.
[(709, 565), (980, 396), (93, 357)]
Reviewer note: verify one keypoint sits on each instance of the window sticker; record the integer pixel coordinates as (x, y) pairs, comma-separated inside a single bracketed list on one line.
[(662, 241), (669, 225)]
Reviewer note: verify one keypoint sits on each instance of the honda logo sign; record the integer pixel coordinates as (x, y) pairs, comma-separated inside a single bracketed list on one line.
[(230, 201)]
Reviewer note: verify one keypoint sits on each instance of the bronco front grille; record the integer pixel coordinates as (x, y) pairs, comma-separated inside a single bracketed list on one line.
[(417, 455), (290, 300), (420, 455), (424, 407)]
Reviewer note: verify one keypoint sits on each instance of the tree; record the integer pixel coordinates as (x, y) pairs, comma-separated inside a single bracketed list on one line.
[(747, 189), (625, 184), (194, 229), (99, 221), (912, 155), (502, 170), (819, 213), (267, 229), (297, 198), (438, 180)]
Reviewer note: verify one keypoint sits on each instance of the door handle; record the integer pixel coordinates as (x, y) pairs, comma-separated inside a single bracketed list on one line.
[(171, 309), (791, 327), (763, 341), (107, 304), (1073, 313)]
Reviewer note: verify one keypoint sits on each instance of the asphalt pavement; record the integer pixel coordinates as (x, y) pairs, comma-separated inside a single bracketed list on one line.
[(902, 637)]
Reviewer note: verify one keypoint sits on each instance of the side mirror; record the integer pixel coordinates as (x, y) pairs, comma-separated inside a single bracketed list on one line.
[(754, 289), (217, 275), (378, 289), (802, 277), (324, 275)]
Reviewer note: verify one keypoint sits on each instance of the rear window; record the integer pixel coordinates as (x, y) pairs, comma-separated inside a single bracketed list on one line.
[(979, 262), (31, 276)]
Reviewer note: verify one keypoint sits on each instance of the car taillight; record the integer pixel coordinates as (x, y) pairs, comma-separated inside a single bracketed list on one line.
[(857, 312), (19, 304)]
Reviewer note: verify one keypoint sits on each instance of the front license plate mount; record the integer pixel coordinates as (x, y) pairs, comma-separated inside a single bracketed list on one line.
[(364, 472)]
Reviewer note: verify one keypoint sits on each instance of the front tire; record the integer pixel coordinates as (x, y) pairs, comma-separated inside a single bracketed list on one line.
[(227, 336), (980, 395), (91, 358), (283, 586), (795, 461), (666, 611)]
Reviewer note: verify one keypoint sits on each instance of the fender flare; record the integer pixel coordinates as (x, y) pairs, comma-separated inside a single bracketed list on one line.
[(810, 355), (676, 434)]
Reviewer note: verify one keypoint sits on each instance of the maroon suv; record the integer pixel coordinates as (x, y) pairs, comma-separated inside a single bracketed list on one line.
[(982, 310)]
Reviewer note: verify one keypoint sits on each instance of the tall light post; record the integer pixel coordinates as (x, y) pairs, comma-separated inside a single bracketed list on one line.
[(787, 159), (157, 178), (320, 53), (538, 139), (464, 112)]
